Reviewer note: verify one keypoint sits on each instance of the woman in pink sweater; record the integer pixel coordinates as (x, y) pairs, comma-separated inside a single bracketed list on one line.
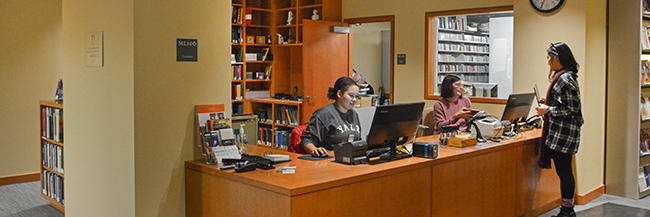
[(454, 107)]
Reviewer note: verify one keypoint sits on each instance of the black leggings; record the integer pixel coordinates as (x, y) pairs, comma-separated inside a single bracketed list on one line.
[(563, 168)]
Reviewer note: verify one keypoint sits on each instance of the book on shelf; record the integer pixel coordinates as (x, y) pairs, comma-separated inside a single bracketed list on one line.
[(645, 72), (643, 183), (644, 142), (265, 53), (645, 41)]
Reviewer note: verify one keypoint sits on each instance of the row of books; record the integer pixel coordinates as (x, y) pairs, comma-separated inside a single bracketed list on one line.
[(237, 71), (264, 114), (237, 14), (277, 138), (462, 68), (283, 115), (52, 156), (463, 47), (52, 123), (469, 78), (238, 108), (463, 58), (452, 22), (52, 186), (236, 34), (286, 115), (237, 91), (644, 178), (462, 37)]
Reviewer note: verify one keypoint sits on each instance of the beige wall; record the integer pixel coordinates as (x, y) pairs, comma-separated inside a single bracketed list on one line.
[(99, 114), (30, 65), (366, 47), (533, 34), (166, 92)]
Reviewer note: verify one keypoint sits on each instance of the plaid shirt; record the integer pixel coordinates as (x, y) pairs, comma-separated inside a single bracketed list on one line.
[(564, 115)]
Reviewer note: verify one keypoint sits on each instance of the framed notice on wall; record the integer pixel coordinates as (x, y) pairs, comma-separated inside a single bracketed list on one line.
[(94, 49)]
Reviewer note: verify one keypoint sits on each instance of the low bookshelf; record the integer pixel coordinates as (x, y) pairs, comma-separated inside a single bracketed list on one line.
[(52, 172), (277, 118)]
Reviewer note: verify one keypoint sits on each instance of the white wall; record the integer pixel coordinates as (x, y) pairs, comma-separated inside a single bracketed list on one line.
[(367, 51), (501, 39)]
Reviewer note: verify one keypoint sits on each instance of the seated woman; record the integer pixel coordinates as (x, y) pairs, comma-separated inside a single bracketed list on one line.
[(454, 107), (333, 123)]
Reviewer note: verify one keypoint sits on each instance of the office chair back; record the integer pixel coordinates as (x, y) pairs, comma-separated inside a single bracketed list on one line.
[(294, 142)]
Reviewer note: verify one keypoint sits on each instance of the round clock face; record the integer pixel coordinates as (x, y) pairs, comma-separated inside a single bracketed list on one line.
[(546, 6)]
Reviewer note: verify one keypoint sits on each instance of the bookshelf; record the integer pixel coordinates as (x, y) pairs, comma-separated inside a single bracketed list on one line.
[(461, 51), (52, 172), (255, 81), (268, 19), (276, 120), (628, 127)]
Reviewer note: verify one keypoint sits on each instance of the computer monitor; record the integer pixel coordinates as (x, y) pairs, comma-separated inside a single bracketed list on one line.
[(393, 125), (485, 89), (517, 107)]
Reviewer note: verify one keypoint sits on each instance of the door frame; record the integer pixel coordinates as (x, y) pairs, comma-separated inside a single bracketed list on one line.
[(386, 18)]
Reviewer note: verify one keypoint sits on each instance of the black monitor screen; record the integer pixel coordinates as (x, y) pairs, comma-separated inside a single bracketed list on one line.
[(517, 107), (392, 122)]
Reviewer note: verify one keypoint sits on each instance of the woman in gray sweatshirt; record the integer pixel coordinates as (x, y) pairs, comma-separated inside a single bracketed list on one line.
[(333, 123)]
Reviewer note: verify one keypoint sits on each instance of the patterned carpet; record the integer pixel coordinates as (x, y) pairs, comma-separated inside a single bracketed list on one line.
[(24, 200)]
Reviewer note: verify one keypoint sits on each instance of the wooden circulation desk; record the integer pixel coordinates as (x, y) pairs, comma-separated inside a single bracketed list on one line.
[(492, 179)]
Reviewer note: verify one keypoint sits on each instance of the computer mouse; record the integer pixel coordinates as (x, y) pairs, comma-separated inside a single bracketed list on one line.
[(323, 155)]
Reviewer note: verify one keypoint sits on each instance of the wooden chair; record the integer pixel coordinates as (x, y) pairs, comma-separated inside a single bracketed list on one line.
[(426, 123)]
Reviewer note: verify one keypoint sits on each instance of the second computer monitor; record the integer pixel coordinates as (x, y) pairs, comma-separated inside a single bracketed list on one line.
[(394, 122), (517, 107)]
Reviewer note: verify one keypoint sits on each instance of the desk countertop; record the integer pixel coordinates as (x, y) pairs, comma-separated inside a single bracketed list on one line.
[(317, 175)]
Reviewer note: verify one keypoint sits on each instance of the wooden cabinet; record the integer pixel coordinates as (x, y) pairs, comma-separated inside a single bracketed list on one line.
[(52, 154), (305, 63)]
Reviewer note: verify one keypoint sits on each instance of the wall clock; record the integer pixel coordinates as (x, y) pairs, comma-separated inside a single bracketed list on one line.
[(546, 6)]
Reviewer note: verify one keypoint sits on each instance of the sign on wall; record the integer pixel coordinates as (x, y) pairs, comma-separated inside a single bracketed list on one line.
[(94, 49), (186, 50)]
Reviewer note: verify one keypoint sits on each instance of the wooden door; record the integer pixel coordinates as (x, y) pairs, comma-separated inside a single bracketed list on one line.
[(324, 59)]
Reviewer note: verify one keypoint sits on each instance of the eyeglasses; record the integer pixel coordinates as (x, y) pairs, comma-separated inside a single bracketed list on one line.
[(353, 95)]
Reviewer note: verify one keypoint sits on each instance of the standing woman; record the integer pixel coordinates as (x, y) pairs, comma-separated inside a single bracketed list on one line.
[(562, 113), (453, 108), (333, 123)]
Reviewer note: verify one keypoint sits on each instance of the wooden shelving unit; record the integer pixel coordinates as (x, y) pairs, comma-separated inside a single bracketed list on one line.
[(274, 124), (269, 18), (52, 172)]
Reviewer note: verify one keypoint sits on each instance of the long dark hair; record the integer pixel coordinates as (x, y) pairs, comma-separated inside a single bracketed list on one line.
[(447, 87), (563, 52), (342, 84)]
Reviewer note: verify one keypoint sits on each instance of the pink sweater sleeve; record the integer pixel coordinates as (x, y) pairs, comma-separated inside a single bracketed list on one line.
[(441, 117)]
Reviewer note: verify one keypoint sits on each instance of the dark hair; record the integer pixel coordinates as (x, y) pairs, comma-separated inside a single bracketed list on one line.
[(447, 87), (341, 84), (563, 52)]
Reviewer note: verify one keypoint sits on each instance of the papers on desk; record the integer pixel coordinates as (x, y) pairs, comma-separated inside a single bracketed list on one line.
[(286, 170), (227, 151)]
